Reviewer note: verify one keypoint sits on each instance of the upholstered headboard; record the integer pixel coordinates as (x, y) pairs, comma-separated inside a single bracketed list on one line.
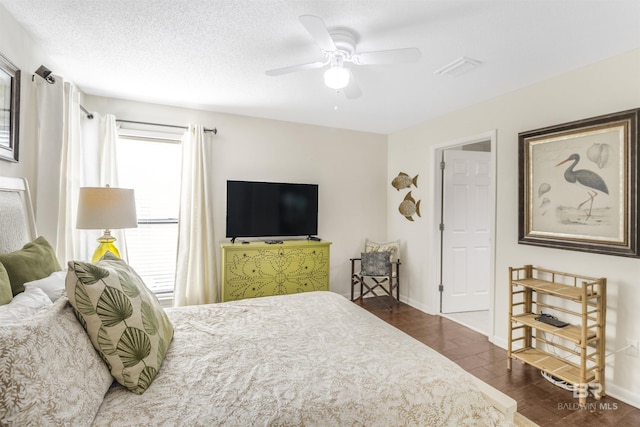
[(17, 223)]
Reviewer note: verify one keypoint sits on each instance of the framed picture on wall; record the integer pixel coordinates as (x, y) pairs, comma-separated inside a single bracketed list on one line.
[(578, 185), (9, 109)]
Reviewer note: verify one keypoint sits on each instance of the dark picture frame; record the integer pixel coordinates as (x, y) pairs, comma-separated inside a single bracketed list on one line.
[(578, 185), (9, 110)]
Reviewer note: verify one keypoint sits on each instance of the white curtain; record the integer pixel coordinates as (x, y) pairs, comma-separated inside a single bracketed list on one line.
[(50, 100), (109, 170), (196, 278), (62, 154), (73, 151), (69, 241)]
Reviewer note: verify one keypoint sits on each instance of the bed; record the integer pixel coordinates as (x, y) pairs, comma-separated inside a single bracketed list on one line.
[(311, 359)]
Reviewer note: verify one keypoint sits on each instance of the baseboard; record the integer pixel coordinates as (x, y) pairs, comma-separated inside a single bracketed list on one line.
[(500, 342), (423, 308), (623, 395)]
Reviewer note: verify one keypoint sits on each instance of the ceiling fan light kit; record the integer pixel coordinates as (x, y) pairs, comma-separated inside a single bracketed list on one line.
[(339, 47), (336, 77)]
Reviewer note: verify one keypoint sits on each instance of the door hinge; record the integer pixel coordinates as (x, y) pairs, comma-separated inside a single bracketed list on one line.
[(441, 227), (441, 288), (442, 165)]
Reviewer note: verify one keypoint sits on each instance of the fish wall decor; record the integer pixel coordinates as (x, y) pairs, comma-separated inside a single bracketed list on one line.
[(403, 181), (409, 207)]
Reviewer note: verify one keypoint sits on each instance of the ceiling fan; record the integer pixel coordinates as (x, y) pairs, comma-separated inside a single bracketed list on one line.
[(339, 47)]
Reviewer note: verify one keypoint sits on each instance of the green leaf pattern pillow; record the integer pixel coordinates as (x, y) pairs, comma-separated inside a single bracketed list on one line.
[(123, 318)]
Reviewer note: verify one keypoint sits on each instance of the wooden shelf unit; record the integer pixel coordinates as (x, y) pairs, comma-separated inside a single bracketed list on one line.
[(534, 290)]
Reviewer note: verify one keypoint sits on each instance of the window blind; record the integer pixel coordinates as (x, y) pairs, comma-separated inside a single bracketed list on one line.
[(152, 169)]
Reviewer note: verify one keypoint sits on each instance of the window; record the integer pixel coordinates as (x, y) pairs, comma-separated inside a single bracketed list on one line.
[(152, 169)]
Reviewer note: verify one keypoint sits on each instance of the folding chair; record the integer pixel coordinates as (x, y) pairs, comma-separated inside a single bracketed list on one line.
[(379, 270)]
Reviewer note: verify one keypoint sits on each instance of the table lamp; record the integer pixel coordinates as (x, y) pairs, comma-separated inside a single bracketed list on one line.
[(106, 208)]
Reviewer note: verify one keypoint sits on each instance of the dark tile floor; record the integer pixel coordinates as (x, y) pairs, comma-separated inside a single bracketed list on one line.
[(538, 400)]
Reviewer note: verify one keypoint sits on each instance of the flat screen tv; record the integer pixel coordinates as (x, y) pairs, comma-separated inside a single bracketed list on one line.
[(262, 209)]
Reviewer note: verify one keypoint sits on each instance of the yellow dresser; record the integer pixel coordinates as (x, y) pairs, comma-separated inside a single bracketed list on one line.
[(258, 269)]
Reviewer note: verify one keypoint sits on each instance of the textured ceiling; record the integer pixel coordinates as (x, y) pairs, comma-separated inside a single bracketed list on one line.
[(213, 54)]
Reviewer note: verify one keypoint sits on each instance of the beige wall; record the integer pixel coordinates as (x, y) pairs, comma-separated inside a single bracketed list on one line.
[(349, 167), (605, 87), (24, 53)]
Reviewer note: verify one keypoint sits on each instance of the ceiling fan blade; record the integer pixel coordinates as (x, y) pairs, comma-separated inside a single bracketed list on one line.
[(352, 90), (392, 56), (294, 68), (318, 31)]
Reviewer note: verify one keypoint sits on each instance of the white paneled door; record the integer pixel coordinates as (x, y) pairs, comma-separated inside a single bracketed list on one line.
[(466, 252)]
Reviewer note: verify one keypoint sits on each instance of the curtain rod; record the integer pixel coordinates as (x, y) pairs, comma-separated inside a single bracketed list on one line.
[(89, 115), (214, 130)]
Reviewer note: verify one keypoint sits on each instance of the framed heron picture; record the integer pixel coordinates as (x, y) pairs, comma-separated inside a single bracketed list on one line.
[(578, 185), (9, 109)]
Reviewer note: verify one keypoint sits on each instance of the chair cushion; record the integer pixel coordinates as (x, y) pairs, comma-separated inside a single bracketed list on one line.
[(392, 247), (375, 263)]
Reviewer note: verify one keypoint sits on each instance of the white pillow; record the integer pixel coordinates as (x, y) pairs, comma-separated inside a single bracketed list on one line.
[(49, 371), (24, 305), (53, 285)]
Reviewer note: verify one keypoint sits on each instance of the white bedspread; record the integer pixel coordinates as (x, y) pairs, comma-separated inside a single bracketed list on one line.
[(311, 359)]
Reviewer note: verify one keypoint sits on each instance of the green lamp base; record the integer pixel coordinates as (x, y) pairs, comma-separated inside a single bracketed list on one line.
[(106, 245)]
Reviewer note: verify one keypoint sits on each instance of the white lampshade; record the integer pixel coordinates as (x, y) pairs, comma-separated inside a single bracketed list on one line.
[(336, 77), (106, 208)]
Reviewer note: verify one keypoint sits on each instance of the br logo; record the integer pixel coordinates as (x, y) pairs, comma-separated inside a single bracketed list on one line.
[(581, 390)]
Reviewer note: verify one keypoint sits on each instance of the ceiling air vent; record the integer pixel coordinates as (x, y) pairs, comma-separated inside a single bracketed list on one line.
[(458, 67)]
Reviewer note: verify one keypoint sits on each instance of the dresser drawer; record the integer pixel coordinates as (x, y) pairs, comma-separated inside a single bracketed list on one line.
[(258, 269)]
